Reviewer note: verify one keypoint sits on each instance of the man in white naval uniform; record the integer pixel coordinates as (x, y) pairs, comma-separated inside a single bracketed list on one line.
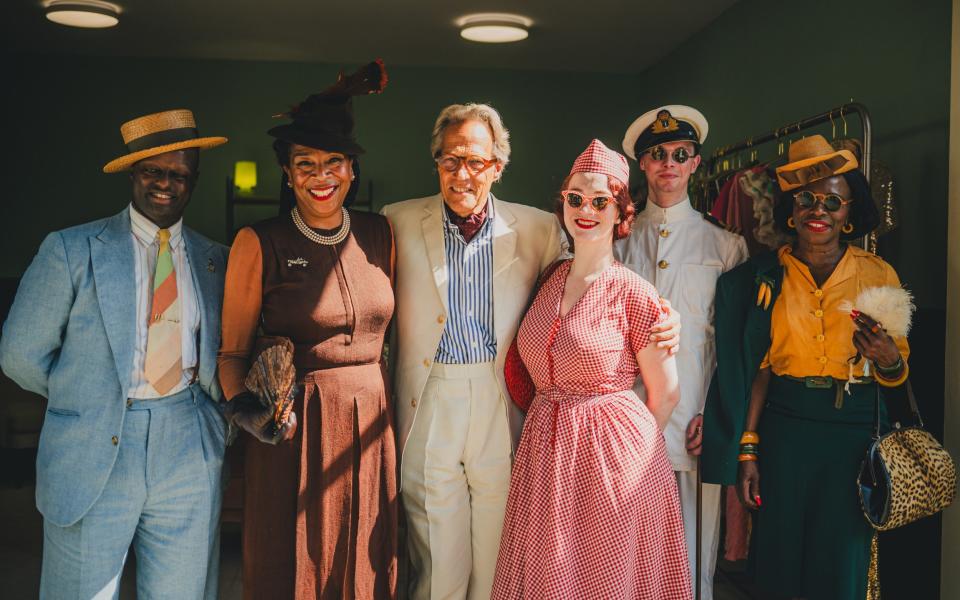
[(678, 250)]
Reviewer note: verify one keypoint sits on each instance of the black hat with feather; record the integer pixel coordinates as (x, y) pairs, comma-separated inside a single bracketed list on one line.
[(325, 120)]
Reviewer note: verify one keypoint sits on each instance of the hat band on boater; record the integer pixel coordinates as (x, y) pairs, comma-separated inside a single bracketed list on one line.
[(163, 138)]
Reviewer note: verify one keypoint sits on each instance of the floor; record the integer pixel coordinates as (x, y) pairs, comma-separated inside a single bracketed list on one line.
[(21, 543)]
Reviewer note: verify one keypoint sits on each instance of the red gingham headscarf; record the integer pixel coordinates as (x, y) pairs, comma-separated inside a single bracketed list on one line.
[(597, 158)]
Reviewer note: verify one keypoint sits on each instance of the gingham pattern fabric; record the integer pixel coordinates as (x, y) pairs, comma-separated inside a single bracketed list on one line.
[(597, 158), (593, 510)]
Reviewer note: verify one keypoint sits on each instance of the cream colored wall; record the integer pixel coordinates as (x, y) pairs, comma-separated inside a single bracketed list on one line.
[(949, 577)]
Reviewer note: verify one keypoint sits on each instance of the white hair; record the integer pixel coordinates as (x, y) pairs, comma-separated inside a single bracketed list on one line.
[(458, 113)]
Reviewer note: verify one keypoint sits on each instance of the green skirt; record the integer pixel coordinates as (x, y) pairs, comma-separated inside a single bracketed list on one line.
[(810, 538)]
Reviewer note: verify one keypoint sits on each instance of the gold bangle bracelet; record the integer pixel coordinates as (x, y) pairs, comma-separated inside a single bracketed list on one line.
[(750, 437), (893, 382), (746, 457)]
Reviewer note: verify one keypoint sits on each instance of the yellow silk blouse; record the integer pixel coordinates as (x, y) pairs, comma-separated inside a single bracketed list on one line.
[(810, 334)]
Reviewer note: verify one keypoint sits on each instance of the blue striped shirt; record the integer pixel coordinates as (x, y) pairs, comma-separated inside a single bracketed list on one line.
[(468, 335)]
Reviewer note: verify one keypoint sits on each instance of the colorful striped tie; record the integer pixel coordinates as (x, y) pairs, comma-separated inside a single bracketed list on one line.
[(163, 366)]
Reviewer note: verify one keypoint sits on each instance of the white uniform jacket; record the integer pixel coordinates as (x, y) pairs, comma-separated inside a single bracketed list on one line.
[(682, 254), (525, 241)]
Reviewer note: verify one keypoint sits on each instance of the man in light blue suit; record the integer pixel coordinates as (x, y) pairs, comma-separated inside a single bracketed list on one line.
[(117, 323)]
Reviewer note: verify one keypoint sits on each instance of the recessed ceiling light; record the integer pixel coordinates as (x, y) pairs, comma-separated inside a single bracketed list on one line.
[(90, 14), (494, 28)]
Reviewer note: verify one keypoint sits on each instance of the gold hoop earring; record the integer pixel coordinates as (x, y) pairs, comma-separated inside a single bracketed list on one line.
[(791, 223), (847, 228)]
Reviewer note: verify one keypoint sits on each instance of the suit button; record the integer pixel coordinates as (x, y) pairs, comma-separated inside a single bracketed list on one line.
[(441, 319), (664, 233), (818, 293), (818, 313), (426, 362), (663, 264), (823, 360), (115, 440), (413, 402), (820, 337), (129, 402)]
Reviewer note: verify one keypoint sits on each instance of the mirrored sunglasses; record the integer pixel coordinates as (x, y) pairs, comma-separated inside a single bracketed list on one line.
[(576, 199), (831, 202)]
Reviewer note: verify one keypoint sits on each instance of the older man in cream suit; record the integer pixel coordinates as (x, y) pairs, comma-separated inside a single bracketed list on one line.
[(466, 264)]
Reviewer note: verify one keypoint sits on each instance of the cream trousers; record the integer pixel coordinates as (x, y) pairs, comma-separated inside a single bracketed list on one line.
[(455, 478)]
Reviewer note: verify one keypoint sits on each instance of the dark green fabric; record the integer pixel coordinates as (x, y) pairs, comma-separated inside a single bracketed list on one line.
[(743, 337), (810, 538)]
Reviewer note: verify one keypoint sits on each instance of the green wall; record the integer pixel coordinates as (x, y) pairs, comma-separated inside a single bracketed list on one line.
[(66, 113), (764, 64)]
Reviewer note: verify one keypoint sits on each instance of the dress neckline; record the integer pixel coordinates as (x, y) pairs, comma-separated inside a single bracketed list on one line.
[(563, 288)]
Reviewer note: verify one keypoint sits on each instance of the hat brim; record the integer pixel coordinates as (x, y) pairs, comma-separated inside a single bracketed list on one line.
[(685, 113), (800, 173), (319, 140), (125, 162)]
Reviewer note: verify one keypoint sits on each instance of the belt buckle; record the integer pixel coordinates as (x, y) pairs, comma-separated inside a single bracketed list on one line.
[(818, 383)]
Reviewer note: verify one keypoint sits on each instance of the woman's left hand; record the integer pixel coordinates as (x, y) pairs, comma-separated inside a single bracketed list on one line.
[(871, 340), (666, 333)]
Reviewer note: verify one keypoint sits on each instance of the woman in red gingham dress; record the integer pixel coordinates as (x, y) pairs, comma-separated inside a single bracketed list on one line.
[(593, 510)]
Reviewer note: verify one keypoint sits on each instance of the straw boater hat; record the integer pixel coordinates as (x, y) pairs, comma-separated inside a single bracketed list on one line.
[(813, 158), (671, 123), (158, 133)]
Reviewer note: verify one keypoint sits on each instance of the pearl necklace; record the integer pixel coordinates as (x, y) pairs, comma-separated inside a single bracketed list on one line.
[(326, 240)]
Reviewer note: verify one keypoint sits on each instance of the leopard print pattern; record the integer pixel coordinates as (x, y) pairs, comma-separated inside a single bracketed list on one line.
[(923, 477)]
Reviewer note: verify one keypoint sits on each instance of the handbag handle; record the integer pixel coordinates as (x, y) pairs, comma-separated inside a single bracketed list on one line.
[(914, 410)]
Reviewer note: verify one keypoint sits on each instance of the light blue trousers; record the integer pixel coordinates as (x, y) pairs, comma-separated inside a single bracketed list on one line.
[(163, 496)]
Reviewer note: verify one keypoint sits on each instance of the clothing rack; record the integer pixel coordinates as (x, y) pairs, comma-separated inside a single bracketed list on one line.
[(721, 160)]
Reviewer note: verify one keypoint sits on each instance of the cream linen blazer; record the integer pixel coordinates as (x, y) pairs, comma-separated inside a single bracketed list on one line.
[(525, 241)]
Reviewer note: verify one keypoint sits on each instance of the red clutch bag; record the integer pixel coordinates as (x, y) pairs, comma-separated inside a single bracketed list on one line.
[(515, 374), (519, 383)]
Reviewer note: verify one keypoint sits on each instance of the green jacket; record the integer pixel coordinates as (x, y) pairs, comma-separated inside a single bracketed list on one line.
[(743, 338)]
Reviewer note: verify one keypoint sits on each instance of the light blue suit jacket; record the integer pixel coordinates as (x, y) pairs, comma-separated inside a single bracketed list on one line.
[(70, 336)]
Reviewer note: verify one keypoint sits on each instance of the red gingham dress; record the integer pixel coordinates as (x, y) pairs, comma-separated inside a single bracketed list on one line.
[(593, 510)]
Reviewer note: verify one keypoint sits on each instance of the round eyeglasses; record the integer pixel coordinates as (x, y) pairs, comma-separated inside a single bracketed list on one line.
[(831, 202)]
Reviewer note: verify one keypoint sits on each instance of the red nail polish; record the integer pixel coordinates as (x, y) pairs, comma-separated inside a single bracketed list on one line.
[(757, 500), (854, 313)]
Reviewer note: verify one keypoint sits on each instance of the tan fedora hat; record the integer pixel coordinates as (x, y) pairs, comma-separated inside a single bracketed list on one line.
[(813, 158), (158, 133)]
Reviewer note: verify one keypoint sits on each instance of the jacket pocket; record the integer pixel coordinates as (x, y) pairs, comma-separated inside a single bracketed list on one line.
[(62, 412)]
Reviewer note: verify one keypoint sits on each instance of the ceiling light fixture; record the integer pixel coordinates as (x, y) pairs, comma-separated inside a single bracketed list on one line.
[(89, 14), (494, 28)]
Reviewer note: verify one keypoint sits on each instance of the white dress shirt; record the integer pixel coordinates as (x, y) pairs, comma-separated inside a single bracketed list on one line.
[(145, 247), (682, 255)]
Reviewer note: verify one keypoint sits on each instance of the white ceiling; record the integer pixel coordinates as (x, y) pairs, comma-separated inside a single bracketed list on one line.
[(586, 35)]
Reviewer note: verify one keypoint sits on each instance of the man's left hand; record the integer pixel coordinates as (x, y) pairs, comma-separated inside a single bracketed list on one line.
[(666, 333), (695, 436)]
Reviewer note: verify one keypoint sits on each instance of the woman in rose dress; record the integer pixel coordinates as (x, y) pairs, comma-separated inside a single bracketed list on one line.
[(593, 510)]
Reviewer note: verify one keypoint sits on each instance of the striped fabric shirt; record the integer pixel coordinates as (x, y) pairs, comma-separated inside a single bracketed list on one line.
[(468, 336), (145, 246)]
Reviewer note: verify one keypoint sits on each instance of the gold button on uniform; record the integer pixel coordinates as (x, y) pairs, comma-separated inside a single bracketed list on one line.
[(426, 362), (663, 264), (664, 233), (818, 293), (818, 313), (115, 440), (823, 360), (441, 319), (820, 337)]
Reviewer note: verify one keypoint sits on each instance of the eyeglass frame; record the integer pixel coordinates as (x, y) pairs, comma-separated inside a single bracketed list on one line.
[(688, 154), (591, 198), (820, 199), (463, 160)]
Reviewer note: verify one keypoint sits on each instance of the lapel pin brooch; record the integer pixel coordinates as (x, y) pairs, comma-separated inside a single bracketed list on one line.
[(297, 262)]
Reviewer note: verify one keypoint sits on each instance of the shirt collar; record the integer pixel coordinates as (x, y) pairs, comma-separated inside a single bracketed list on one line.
[(146, 230), (677, 212), (452, 227)]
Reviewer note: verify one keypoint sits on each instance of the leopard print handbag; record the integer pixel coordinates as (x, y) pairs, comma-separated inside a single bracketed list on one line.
[(906, 474)]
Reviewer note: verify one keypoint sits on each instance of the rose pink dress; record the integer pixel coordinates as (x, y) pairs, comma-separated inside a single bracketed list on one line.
[(593, 510)]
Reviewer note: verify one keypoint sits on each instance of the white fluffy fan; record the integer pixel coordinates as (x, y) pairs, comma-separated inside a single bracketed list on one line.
[(891, 306)]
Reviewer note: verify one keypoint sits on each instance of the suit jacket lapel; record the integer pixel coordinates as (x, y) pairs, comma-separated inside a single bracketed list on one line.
[(112, 256), (504, 255), (201, 255), (432, 225)]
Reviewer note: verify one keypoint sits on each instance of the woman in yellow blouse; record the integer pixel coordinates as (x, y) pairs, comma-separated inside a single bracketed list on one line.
[(783, 416)]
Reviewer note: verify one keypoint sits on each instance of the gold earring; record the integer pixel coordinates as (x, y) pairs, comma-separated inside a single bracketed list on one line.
[(791, 223), (847, 228), (289, 185)]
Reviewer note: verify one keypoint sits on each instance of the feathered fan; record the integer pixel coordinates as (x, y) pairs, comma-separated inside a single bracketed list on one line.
[(891, 307), (273, 378)]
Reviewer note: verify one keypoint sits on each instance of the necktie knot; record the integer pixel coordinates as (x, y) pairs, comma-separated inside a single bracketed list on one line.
[(164, 235)]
